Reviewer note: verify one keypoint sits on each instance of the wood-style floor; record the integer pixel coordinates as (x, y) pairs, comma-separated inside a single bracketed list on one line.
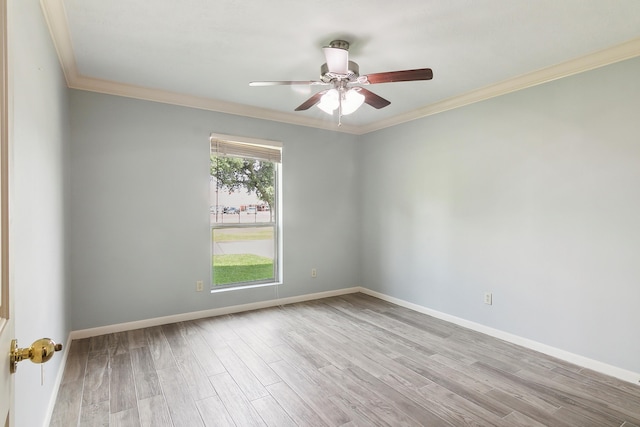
[(351, 360)]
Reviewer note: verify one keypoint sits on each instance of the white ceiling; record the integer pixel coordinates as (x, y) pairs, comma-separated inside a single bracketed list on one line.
[(203, 53)]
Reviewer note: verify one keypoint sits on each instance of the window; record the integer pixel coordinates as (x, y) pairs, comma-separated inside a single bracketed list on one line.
[(244, 211)]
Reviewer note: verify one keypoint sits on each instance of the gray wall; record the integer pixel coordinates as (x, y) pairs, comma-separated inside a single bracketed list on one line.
[(532, 196), (139, 209), (37, 201)]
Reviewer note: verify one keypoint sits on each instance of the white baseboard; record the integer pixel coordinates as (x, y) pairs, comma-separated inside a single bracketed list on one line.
[(595, 365), (614, 371), (121, 327), (56, 386), (157, 321), (576, 359)]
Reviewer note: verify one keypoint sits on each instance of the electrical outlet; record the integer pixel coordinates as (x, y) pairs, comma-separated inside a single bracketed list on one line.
[(314, 272), (199, 286), (488, 298)]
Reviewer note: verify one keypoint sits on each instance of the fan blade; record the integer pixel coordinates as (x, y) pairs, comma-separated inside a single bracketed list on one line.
[(287, 82), (311, 101), (400, 76), (337, 60), (376, 101)]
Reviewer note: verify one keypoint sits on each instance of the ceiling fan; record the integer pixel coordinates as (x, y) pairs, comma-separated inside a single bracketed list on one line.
[(346, 95)]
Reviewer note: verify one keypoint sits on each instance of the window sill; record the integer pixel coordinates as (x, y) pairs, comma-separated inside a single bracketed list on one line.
[(241, 287)]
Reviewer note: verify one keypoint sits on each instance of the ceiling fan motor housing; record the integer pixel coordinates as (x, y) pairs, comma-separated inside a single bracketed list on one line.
[(353, 73)]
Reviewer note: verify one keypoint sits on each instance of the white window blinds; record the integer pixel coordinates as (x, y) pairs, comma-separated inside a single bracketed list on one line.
[(224, 145)]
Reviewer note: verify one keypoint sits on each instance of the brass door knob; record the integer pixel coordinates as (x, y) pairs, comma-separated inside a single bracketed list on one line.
[(40, 352)]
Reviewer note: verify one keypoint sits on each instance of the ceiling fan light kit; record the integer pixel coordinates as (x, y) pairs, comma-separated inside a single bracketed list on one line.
[(345, 101), (353, 99), (329, 101), (342, 75)]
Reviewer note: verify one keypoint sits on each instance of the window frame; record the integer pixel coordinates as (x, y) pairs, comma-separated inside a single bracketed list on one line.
[(259, 149)]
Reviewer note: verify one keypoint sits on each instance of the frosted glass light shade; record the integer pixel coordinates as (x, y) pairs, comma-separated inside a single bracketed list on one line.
[(352, 101), (329, 101)]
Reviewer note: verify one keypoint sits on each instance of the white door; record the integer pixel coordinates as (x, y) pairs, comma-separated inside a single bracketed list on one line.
[(6, 316)]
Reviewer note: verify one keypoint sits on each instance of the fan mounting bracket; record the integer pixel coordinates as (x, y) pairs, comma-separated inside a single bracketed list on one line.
[(339, 44)]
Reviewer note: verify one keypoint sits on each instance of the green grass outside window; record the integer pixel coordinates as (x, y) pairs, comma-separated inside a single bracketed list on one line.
[(238, 268)]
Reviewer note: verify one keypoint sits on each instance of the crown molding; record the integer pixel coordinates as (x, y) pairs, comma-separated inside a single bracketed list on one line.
[(174, 98), (621, 52), (55, 16)]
